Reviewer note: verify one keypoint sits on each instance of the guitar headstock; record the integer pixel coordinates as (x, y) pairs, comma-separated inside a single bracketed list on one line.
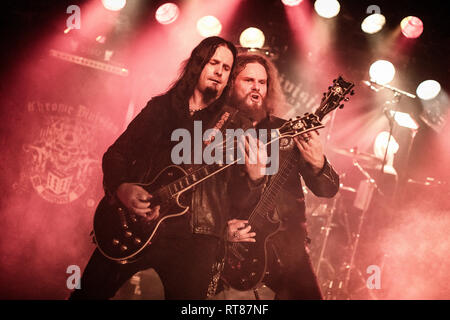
[(311, 121), (334, 96)]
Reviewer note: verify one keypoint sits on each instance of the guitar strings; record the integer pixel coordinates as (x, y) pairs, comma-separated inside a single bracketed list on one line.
[(276, 183)]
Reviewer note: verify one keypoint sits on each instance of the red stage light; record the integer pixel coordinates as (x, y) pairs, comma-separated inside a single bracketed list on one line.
[(167, 13), (412, 27)]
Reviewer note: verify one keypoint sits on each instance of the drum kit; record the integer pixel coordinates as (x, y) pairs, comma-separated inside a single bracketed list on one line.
[(339, 227), (335, 226)]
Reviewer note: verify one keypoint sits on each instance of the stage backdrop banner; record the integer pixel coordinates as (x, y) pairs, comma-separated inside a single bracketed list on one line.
[(59, 119)]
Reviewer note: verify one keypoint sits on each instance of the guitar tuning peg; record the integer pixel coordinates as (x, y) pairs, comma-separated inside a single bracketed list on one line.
[(341, 106), (346, 99)]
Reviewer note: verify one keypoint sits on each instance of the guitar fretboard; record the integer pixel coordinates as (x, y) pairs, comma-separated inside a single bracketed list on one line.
[(267, 202), (206, 171), (196, 177)]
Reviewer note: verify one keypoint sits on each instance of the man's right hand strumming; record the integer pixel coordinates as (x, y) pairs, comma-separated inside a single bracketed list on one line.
[(137, 200)]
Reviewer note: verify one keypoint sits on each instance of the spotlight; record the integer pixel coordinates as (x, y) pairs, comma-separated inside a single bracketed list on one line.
[(291, 3), (114, 5), (327, 8), (209, 26), (412, 27), (404, 119), (252, 38), (382, 71), (381, 144), (373, 23), (167, 13), (428, 89), (383, 141)]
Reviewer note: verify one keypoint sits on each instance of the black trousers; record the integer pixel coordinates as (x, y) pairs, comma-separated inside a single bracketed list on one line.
[(291, 274), (184, 265), (293, 279)]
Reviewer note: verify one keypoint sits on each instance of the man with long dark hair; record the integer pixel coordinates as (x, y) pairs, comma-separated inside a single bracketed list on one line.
[(256, 91), (185, 248)]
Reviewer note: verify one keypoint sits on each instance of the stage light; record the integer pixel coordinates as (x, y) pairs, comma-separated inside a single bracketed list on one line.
[(404, 120), (327, 8), (209, 26), (428, 89), (382, 71), (114, 5), (252, 38), (382, 142), (412, 27), (167, 13), (291, 3), (373, 23)]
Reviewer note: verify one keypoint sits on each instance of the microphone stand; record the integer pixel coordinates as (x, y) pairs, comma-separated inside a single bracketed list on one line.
[(387, 112), (350, 266), (390, 111)]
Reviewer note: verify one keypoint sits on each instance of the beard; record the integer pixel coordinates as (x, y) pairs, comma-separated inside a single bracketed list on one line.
[(254, 111), (210, 93)]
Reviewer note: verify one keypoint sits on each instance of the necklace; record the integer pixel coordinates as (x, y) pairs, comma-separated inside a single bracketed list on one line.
[(193, 110)]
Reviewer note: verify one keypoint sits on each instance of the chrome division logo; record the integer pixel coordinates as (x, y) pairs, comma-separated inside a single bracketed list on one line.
[(59, 162)]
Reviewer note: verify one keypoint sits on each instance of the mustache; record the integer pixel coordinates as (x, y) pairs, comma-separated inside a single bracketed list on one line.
[(253, 93), (241, 103)]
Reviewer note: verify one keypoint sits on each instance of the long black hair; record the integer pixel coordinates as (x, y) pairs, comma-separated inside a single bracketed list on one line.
[(184, 86)]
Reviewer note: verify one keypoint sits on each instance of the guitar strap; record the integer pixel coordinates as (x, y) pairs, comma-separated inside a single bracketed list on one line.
[(236, 121), (222, 121)]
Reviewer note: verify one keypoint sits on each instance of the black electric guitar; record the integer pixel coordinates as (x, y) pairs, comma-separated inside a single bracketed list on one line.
[(246, 262), (121, 235)]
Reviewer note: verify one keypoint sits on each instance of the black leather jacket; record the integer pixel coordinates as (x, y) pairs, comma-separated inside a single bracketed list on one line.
[(144, 149)]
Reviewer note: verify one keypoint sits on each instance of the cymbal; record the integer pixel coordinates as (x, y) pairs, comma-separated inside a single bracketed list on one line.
[(429, 182), (355, 154)]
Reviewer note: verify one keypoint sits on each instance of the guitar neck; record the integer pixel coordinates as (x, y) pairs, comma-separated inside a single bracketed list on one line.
[(267, 202), (189, 181), (205, 172)]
